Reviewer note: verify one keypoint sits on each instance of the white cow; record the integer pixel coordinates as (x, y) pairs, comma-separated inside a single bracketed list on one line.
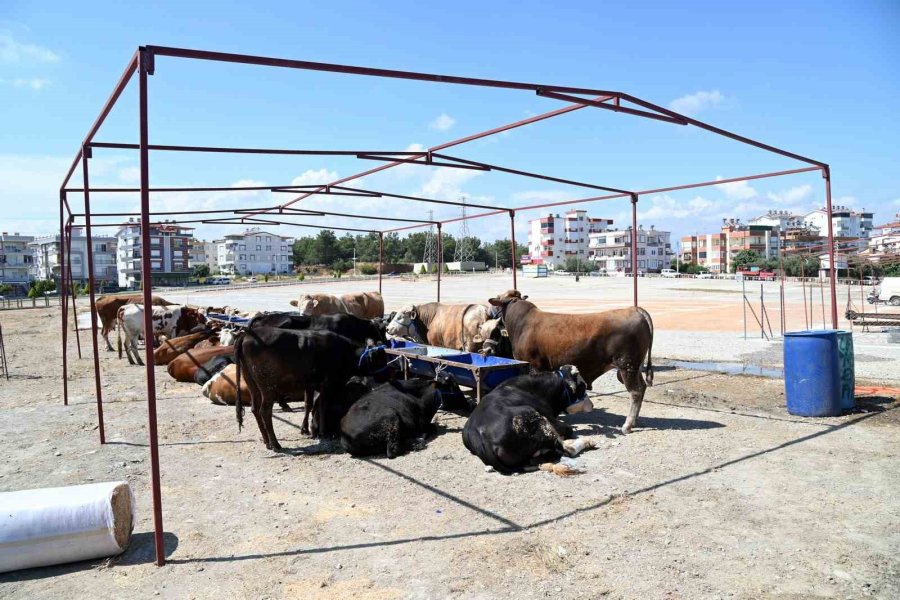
[(169, 321)]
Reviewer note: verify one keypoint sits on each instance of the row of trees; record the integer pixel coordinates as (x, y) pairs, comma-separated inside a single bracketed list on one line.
[(337, 252), (796, 265)]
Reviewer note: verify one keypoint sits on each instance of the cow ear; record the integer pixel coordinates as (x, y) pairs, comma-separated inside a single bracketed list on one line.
[(495, 302), (524, 297), (293, 303), (414, 314), (315, 303), (504, 332), (478, 339)]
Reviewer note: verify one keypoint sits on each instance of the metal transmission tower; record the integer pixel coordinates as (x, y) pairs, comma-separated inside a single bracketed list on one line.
[(463, 251), (429, 257)]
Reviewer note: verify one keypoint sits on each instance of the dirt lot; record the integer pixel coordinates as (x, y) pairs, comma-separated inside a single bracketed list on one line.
[(718, 493)]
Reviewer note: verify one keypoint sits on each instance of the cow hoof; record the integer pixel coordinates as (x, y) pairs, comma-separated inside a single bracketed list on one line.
[(285, 407), (626, 429)]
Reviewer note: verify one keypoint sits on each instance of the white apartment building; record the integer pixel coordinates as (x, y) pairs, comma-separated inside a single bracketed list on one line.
[(169, 253), (884, 242), (255, 252), (554, 239), (47, 255), (845, 222), (15, 260), (204, 253), (611, 250), (782, 220)]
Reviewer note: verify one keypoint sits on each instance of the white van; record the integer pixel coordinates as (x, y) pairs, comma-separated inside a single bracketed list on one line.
[(669, 273), (889, 291)]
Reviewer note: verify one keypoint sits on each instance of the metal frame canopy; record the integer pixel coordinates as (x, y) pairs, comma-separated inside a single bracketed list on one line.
[(143, 63)]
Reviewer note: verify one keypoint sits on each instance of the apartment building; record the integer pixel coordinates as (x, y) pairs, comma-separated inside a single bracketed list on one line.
[(204, 253), (554, 239), (170, 246), (47, 255), (15, 260), (715, 251), (611, 250), (255, 252), (884, 242), (845, 222)]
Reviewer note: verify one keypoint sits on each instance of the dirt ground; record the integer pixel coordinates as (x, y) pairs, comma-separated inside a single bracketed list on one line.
[(719, 493)]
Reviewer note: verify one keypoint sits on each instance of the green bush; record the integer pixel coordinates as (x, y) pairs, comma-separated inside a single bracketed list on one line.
[(301, 276), (5, 288), (368, 270), (423, 270)]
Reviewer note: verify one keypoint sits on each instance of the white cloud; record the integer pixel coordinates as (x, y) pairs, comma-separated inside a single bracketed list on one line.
[(17, 53), (664, 206), (737, 190), (315, 177), (693, 104), (130, 175), (35, 83), (443, 123), (445, 183), (793, 195)]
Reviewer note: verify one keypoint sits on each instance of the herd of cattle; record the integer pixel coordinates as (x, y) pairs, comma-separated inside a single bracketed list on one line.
[(330, 354)]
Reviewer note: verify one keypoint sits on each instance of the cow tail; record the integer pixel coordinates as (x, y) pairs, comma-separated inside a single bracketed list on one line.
[(648, 374), (238, 352)]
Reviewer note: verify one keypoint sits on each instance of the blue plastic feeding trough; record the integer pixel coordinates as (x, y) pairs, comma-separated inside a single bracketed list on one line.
[(469, 369), (819, 376)]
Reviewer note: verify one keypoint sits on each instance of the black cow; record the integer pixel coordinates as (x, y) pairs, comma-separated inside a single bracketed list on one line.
[(394, 413), (349, 326), (281, 364), (515, 425), (211, 367)]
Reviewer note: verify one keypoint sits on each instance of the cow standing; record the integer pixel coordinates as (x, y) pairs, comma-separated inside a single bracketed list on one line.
[(595, 343), (108, 309), (365, 305), (456, 326), (281, 364), (515, 426)]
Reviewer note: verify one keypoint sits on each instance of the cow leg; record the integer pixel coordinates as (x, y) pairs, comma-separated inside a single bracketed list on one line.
[(266, 411), (308, 403), (256, 401), (636, 386), (285, 406), (134, 349), (104, 331)]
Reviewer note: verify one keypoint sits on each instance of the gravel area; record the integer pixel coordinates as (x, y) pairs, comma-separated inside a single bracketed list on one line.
[(719, 493)]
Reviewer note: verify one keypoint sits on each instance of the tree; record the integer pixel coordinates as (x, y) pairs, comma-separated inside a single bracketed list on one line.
[(201, 270), (325, 249), (498, 251), (578, 265), (5, 288), (745, 258), (303, 251)]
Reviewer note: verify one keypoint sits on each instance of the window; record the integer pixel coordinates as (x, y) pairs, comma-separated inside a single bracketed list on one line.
[(258, 247), (268, 238), (243, 246), (243, 268), (269, 248), (242, 257), (252, 257), (259, 238)]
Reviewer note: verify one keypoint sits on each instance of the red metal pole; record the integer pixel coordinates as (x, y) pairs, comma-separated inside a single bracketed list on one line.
[(440, 259), (512, 246), (380, 259), (63, 299), (72, 287), (89, 242), (634, 234), (145, 65), (826, 174)]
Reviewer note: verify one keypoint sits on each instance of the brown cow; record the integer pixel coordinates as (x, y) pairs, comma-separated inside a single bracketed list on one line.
[(456, 326), (171, 348), (108, 307), (185, 367), (222, 389), (365, 305), (595, 343)]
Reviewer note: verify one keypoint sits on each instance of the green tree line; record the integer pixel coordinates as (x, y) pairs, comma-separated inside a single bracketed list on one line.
[(329, 250)]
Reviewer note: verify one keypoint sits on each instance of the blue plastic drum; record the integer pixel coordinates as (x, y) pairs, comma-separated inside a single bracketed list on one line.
[(818, 372)]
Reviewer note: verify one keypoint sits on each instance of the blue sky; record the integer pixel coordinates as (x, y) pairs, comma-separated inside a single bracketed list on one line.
[(818, 78)]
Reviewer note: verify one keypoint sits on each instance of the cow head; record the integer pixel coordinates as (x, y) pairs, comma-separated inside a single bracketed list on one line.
[(306, 304), (576, 390), (189, 319), (502, 301), (372, 359), (406, 325), (491, 335)]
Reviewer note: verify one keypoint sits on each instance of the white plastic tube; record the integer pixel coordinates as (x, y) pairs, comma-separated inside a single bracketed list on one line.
[(58, 525)]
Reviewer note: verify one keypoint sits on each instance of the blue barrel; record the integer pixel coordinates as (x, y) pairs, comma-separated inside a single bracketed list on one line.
[(818, 372)]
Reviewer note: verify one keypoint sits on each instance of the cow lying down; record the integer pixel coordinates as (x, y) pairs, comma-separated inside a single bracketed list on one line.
[(515, 427), (395, 416)]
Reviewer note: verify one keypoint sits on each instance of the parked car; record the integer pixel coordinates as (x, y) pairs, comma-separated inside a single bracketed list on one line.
[(669, 273), (888, 291), (706, 275)]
